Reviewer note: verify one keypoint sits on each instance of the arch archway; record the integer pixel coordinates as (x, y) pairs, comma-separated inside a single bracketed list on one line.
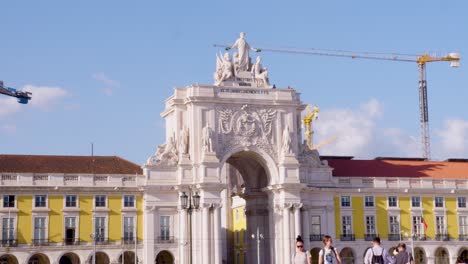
[(39, 258), (419, 256), (463, 254), (315, 255), (441, 256), (101, 258), (8, 259), (69, 258), (128, 257), (247, 177), (164, 257), (347, 256)]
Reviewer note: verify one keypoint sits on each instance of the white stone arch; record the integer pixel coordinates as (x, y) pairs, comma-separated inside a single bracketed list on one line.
[(88, 257), (439, 250), (268, 163), (425, 254), (11, 255), (63, 253), (31, 254)]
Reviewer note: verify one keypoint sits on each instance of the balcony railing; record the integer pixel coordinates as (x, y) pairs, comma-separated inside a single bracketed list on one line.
[(102, 241), (347, 237), (9, 243), (128, 240), (370, 237), (315, 237), (71, 241), (463, 237), (394, 237), (419, 237), (40, 242), (165, 240), (442, 237)]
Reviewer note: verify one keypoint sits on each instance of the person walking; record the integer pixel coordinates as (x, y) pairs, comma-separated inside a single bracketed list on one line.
[(403, 257), (328, 254), (377, 254), (301, 256)]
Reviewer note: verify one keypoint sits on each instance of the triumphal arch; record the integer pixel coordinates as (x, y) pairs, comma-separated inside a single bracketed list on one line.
[(240, 136)]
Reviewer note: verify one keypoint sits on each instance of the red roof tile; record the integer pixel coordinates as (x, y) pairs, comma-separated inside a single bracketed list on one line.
[(399, 168), (67, 164)]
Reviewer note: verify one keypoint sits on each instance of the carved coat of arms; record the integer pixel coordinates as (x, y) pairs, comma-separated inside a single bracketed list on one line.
[(245, 127)]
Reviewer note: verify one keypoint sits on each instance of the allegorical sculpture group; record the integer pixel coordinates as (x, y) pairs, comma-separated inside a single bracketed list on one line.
[(240, 66)]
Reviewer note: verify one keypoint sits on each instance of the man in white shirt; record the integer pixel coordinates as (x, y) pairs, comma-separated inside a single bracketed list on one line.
[(377, 254)]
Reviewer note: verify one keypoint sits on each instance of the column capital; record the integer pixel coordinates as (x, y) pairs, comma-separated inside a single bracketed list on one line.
[(150, 208), (283, 206), (216, 205), (298, 206)]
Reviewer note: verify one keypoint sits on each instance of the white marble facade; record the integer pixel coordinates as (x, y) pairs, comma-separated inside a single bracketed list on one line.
[(239, 136)]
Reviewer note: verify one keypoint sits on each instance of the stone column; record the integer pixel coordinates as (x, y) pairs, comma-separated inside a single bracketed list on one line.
[(183, 235), (286, 233), (306, 227), (297, 220), (206, 233), (148, 248), (217, 233)]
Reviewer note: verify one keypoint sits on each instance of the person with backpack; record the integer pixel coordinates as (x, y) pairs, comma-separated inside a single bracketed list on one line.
[(328, 254), (377, 254), (301, 256), (403, 257)]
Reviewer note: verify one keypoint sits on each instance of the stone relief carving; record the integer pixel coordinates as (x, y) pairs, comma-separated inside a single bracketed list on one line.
[(287, 141), (246, 126), (166, 155), (184, 141), (207, 139)]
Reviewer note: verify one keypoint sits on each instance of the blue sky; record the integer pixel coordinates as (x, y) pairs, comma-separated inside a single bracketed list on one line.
[(101, 70)]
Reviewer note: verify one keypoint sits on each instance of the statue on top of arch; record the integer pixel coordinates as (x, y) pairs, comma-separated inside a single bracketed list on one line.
[(240, 70)]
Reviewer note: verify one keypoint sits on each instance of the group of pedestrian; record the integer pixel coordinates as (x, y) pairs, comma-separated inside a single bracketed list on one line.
[(374, 255), (327, 255)]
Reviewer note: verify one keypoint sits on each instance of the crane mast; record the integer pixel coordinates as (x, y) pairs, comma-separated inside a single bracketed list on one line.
[(421, 60)]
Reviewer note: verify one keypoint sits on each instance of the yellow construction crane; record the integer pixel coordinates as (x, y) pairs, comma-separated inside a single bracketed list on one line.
[(420, 60), (310, 115)]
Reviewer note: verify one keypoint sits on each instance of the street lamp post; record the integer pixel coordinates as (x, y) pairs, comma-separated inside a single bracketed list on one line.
[(190, 202), (258, 237)]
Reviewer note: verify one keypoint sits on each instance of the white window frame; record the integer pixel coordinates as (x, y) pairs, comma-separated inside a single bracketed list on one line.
[(15, 233), (444, 225), (106, 225), (443, 202), (464, 197), (373, 201), (350, 225), (350, 201), (77, 226), (16, 200), (420, 202), (375, 224), (134, 200), (46, 226), (417, 228), (171, 226), (397, 204), (390, 224), (46, 201), (463, 231), (319, 224), (134, 226), (77, 201), (105, 200)]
